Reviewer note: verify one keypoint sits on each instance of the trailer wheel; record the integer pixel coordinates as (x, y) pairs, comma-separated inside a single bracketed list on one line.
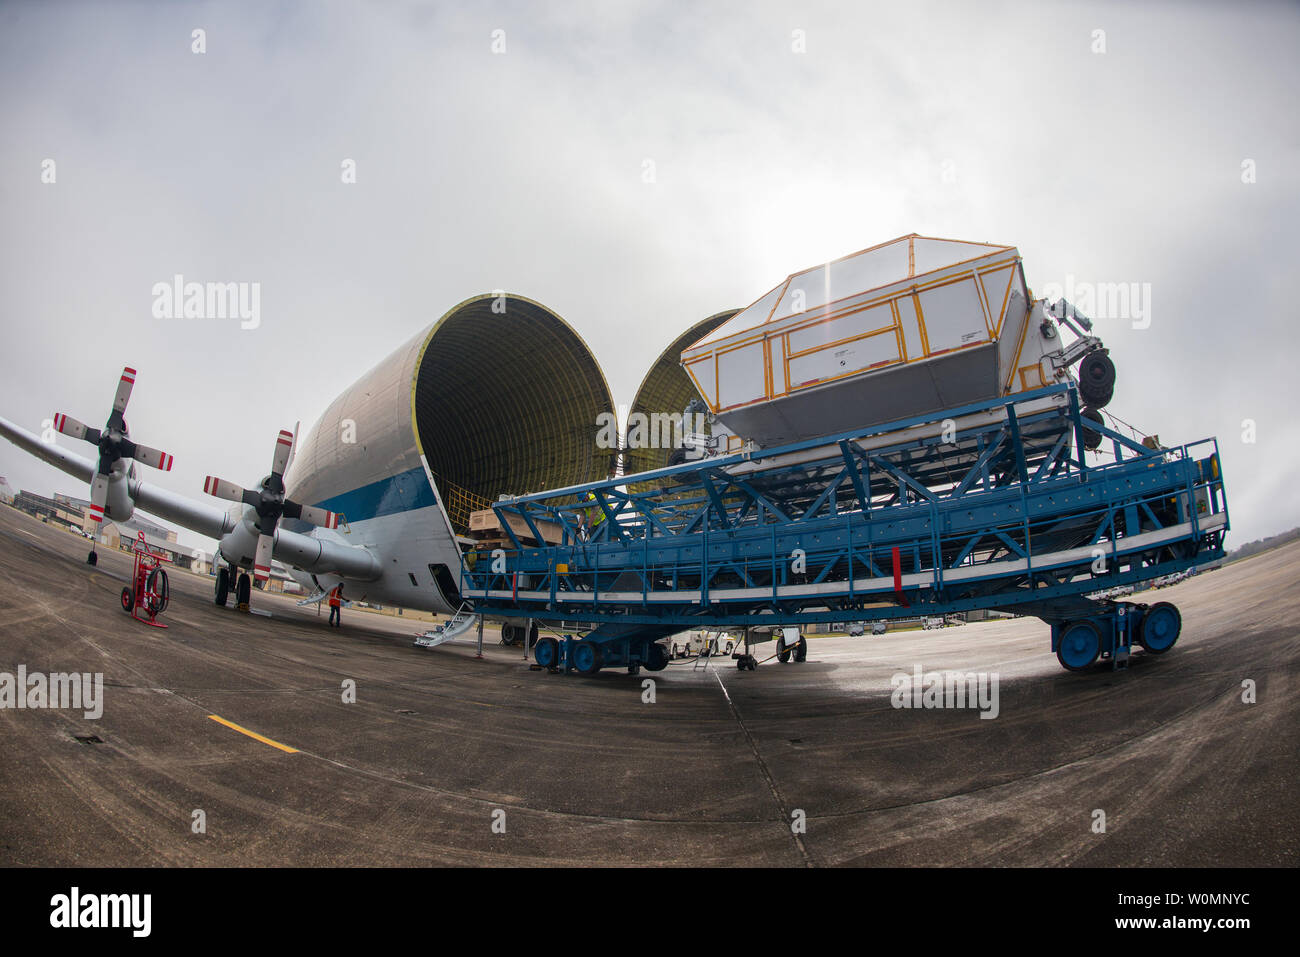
[(801, 650), (656, 658), (1079, 647), (586, 657), (128, 600), (1160, 628), (547, 652), (223, 587)]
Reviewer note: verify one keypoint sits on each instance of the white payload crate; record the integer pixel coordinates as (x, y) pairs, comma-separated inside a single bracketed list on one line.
[(911, 326)]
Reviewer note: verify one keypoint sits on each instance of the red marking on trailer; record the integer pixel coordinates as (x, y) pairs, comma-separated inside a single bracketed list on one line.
[(898, 577)]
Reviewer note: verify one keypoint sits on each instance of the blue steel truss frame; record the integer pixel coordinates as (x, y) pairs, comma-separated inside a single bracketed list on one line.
[(990, 505)]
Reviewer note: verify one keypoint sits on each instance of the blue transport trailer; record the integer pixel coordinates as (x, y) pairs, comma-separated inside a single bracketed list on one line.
[(1022, 503)]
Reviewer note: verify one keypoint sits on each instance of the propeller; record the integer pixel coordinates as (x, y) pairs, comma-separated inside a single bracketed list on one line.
[(271, 505), (114, 444)]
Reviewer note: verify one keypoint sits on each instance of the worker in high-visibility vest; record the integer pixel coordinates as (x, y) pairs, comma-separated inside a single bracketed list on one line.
[(336, 605), (592, 516)]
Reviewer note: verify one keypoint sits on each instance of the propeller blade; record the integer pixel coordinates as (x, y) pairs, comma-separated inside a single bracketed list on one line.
[(293, 449), (124, 387), (77, 430), (262, 560), (152, 457), (319, 517), (223, 489), (283, 446), (94, 519)]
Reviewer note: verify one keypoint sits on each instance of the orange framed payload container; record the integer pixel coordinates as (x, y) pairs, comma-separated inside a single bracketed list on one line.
[(910, 326)]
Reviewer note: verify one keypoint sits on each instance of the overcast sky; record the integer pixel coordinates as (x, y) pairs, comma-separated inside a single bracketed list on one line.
[(635, 167)]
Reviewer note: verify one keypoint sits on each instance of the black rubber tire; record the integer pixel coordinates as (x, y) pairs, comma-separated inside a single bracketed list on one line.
[(1097, 378), (532, 636), (128, 600), (92, 558), (783, 655), (222, 587), (1091, 437), (801, 650), (157, 584), (243, 589), (547, 652), (579, 652), (676, 457), (656, 657), (1088, 638), (1159, 644)]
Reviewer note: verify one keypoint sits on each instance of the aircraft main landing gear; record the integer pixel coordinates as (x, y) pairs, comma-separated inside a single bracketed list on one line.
[(243, 591), (798, 651)]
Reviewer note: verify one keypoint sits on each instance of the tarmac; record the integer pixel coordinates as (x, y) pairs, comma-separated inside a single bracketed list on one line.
[(446, 759)]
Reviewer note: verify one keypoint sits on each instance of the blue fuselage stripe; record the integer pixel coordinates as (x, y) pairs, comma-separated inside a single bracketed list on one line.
[(403, 492)]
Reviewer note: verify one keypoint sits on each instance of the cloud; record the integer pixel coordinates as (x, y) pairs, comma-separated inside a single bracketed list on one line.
[(527, 171)]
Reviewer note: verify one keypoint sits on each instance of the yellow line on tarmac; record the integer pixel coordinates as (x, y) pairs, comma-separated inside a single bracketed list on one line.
[(253, 734)]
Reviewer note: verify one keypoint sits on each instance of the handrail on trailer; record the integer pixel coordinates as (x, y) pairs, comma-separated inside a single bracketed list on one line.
[(987, 506)]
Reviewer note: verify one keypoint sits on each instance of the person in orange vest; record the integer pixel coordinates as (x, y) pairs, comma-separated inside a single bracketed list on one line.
[(336, 605)]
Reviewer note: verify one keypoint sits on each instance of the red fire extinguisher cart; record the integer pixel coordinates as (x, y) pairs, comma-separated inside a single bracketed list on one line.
[(148, 594)]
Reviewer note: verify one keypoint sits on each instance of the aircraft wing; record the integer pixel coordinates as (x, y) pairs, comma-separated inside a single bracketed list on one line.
[(63, 460), (302, 551)]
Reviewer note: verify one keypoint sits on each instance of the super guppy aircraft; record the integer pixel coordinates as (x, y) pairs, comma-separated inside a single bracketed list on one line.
[(382, 486), (912, 399)]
